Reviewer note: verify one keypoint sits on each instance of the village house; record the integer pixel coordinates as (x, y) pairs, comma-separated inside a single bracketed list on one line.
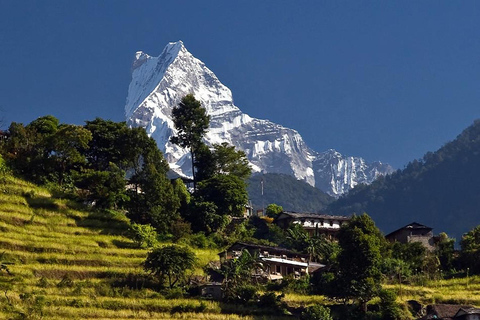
[(314, 224), (278, 262), (451, 312), (468, 314), (413, 232)]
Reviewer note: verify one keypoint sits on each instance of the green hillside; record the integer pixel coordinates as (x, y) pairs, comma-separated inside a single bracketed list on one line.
[(62, 262), (442, 190), (286, 191)]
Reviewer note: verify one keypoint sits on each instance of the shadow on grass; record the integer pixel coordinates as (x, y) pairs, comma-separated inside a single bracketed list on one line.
[(253, 311), (46, 203), (108, 222), (121, 244)]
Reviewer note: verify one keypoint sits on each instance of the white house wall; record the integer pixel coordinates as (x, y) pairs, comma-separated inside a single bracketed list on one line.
[(327, 224)]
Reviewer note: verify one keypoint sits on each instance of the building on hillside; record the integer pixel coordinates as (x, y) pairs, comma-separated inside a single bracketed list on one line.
[(212, 290), (467, 314), (278, 262), (442, 311), (413, 232), (451, 312), (314, 224)]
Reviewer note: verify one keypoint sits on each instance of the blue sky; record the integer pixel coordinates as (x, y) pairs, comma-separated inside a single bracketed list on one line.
[(385, 80)]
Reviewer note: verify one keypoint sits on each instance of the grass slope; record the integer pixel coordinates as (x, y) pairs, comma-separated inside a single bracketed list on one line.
[(67, 263)]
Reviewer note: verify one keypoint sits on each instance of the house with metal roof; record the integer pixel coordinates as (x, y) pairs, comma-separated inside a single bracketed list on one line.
[(315, 224), (413, 232), (278, 262)]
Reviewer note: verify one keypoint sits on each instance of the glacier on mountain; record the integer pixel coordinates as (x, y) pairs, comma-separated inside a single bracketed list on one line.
[(159, 83)]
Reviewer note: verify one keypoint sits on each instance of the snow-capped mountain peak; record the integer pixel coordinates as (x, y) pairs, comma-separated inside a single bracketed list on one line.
[(159, 83)]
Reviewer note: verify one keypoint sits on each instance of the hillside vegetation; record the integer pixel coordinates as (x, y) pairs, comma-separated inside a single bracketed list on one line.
[(440, 190), (60, 261), (286, 191)]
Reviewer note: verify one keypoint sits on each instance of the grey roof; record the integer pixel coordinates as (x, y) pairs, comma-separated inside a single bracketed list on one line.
[(467, 310), (244, 245), (297, 215), (413, 225)]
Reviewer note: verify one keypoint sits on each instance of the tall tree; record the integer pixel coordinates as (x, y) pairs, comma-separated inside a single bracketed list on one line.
[(191, 122), (227, 192), (470, 253), (152, 198), (28, 148), (359, 260), (107, 144), (230, 161), (68, 148)]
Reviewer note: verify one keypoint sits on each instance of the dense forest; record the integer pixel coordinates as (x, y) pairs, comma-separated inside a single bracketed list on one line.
[(286, 191), (440, 190)]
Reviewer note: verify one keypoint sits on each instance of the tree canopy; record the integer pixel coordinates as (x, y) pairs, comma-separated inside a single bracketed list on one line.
[(170, 263), (191, 121)]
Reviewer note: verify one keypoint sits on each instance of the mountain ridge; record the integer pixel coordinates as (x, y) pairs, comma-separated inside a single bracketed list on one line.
[(158, 84), (440, 190)]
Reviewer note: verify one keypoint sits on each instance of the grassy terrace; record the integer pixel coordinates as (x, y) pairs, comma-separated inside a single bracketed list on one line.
[(68, 263)]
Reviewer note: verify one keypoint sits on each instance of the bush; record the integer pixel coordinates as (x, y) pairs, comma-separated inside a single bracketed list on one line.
[(273, 301), (388, 306), (144, 235), (189, 307), (246, 293), (180, 229), (199, 240), (316, 312)]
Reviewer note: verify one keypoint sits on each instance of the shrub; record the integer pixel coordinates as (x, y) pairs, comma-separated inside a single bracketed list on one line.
[(180, 229), (273, 301), (316, 312), (144, 235), (246, 293), (388, 306), (66, 281)]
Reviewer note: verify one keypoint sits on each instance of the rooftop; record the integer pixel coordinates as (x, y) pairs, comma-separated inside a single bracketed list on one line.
[(298, 215)]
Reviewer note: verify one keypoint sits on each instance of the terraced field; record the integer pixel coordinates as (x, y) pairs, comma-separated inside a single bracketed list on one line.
[(62, 262)]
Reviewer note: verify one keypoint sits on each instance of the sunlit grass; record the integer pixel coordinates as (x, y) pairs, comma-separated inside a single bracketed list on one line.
[(454, 291)]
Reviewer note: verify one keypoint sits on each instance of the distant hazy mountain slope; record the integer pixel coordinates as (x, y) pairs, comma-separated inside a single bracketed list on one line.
[(442, 190), (284, 190), (159, 83)]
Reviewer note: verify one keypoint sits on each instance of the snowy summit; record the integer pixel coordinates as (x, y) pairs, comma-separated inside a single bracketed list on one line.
[(159, 83)]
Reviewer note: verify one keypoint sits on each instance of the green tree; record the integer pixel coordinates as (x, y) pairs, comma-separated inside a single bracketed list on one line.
[(316, 312), (239, 272), (68, 148), (170, 263), (359, 260), (104, 188), (273, 210), (470, 250), (230, 161), (152, 198), (107, 144), (319, 248), (28, 149), (445, 249), (412, 253), (191, 122), (203, 217), (227, 192)]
